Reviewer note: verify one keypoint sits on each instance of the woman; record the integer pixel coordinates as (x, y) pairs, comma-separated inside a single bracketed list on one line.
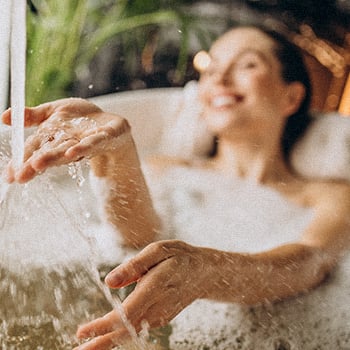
[(254, 92)]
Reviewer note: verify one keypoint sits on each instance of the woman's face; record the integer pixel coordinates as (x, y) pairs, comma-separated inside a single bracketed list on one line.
[(242, 86)]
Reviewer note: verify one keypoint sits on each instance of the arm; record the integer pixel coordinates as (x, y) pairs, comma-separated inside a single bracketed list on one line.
[(293, 268), (172, 274), (72, 129), (127, 202)]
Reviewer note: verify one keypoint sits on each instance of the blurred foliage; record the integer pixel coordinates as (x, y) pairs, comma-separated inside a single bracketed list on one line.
[(63, 37), (329, 19)]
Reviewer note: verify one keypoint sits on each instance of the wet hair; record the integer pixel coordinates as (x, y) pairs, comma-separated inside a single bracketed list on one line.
[(293, 70)]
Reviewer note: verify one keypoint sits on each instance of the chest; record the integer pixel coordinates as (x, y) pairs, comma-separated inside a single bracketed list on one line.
[(209, 210)]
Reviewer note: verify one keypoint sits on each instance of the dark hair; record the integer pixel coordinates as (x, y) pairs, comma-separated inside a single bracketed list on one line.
[(293, 69)]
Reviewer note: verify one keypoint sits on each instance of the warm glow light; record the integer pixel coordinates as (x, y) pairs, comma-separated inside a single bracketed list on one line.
[(344, 107), (201, 61)]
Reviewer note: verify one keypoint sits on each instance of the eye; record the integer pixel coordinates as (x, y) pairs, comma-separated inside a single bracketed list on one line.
[(248, 63)]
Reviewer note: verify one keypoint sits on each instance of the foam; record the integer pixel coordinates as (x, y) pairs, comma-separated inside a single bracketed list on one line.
[(52, 222), (194, 205), (207, 209), (204, 209)]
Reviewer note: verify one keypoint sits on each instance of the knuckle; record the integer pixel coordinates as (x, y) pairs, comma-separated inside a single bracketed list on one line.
[(136, 266), (155, 247), (169, 247), (161, 249)]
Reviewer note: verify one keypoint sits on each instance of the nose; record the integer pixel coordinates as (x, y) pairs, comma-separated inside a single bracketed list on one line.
[(223, 76)]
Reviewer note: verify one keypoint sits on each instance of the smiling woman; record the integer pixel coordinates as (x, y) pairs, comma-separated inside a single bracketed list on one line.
[(288, 75), (250, 92)]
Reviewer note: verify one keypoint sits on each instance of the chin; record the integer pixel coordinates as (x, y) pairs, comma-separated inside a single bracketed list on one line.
[(219, 123)]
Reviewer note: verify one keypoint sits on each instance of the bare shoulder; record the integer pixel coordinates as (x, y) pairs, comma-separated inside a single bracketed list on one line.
[(160, 164), (330, 201), (315, 193), (328, 194), (330, 227)]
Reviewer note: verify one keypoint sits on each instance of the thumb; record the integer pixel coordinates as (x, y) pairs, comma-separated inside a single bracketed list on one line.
[(132, 270), (35, 115), (6, 117), (32, 115)]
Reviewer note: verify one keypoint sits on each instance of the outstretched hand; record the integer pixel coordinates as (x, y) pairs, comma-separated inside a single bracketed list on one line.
[(68, 130), (169, 275)]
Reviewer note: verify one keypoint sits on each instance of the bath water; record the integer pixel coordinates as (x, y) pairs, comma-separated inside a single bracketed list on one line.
[(49, 250), (50, 282), (206, 209), (51, 270)]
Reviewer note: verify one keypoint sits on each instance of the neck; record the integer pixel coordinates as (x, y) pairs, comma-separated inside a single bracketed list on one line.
[(261, 162)]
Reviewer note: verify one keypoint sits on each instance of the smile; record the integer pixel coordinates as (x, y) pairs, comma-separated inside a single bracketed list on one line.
[(225, 101)]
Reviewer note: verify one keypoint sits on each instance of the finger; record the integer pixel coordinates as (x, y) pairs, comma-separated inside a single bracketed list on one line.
[(136, 267), (25, 173), (9, 174), (157, 314), (155, 298), (36, 115), (100, 326), (84, 147), (6, 117), (141, 306), (107, 341), (97, 138), (32, 115), (136, 308), (53, 156), (32, 144), (40, 160)]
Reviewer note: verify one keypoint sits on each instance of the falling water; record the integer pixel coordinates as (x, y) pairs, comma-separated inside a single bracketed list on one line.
[(48, 265), (18, 55), (5, 12)]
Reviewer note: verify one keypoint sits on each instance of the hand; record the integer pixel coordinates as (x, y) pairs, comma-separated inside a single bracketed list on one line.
[(170, 275), (68, 130)]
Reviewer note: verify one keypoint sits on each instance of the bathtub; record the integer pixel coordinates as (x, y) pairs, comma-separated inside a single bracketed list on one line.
[(318, 320)]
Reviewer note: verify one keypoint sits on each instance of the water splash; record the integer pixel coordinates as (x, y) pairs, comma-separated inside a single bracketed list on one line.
[(48, 267)]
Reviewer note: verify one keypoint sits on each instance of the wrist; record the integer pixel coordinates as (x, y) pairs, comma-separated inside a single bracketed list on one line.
[(120, 158)]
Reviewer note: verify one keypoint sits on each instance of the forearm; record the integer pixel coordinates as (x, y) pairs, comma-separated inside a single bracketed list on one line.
[(266, 277), (127, 202)]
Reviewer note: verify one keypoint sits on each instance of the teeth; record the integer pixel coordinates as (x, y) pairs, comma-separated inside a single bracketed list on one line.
[(222, 101)]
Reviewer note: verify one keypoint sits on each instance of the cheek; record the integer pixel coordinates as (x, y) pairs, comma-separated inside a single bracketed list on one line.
[(202, 91), (254, 82), (266, 90)]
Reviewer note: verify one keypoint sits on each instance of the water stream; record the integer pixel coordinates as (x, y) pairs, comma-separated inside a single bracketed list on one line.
[(18, 58), (5, 15)]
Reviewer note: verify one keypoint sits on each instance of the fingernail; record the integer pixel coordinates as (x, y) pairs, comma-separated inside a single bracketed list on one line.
[(113, 279)]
